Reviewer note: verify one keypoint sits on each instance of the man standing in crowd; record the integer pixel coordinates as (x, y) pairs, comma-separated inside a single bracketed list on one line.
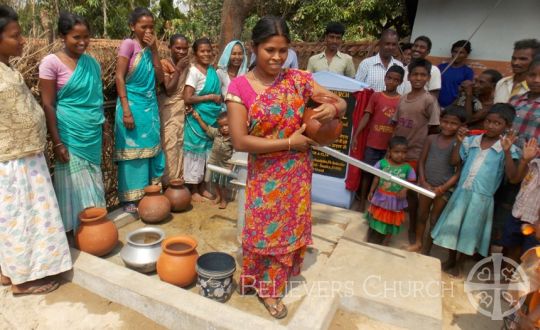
[(524, 52), (455, 72), (372, 70), (420, 49), (331, 59)]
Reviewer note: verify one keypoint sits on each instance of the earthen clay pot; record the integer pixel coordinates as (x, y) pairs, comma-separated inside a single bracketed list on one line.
[(176, 264), (96, 235), (178, 194), (323, 134), (154, 207)]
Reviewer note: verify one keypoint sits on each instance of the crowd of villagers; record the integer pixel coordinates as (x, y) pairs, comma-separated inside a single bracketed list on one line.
[(468, 139)]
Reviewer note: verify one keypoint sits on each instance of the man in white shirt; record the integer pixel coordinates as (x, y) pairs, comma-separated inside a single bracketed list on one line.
[(524, 52), (331, 59), (420, 49), (373, 69)]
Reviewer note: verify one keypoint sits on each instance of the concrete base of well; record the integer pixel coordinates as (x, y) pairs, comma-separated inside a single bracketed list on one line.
[(341, 272)]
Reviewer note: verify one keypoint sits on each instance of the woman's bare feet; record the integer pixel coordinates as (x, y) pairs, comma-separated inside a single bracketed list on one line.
[(196, 197), (4, 280), (40, 286), (223, 204), (206, 194), (217, 200)]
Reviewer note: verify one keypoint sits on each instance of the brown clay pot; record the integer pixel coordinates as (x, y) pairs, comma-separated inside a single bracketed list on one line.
[(96, 235), (176, 264), (323, 134), (154, 207), (178, 195)]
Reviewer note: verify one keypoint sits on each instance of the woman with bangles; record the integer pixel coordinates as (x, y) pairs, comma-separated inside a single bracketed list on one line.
[(265, 109), (137, 125)]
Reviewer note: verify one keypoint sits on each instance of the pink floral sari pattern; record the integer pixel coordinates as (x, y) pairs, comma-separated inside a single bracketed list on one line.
[(278, 191)]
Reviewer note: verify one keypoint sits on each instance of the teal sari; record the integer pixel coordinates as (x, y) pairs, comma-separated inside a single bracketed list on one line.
[(79, 111), (138, 151), (195, 138), (79, 118)]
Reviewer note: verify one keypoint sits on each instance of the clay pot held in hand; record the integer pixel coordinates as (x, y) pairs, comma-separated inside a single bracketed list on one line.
[(96, 235), (179, 195), (176, 264), (154, 207), (322, 133)]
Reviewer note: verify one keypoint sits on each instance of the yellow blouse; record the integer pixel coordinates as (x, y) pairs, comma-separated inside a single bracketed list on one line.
[(22, 120)]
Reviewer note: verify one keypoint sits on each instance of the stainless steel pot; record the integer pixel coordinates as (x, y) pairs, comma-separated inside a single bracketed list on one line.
[(142, 249)]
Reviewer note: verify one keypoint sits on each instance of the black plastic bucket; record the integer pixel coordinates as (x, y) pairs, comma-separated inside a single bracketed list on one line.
[(215, 275)]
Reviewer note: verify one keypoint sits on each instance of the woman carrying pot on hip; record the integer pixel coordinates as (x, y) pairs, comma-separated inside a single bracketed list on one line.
[(272, 100)]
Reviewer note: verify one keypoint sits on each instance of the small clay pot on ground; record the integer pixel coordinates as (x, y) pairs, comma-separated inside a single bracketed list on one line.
[(178, 195), (96, 235), (323, 134), (176, 264), (154, 207)]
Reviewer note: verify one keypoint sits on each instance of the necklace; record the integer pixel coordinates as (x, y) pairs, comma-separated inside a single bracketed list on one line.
[(262, 82), (71, 59)]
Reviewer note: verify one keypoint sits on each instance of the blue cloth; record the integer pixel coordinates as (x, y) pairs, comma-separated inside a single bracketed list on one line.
[(195, 138), (465, 224), (223, 63), (135, 174), (79, 111), (450, 82), (513, 236), (138, 151)]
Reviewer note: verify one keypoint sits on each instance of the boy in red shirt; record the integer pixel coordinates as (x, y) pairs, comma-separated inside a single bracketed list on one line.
[(377, 119)]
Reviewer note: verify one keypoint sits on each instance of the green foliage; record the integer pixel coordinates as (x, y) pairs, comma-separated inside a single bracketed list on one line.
[(362, 18), (307, 18), (203, 19)]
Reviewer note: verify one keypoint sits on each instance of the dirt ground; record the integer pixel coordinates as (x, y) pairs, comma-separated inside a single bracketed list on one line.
[(74, 307), (68, 307)]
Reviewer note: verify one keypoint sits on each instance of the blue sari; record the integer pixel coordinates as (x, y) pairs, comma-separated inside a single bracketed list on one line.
[(195, 138), (138, 151), (79, 117)]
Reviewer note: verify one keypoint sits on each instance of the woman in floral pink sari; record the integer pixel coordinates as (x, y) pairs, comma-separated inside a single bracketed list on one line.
[(278, 193)]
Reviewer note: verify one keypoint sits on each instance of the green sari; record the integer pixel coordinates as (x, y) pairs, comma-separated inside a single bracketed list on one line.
[(195, 138), (79, 117), (138, 151)]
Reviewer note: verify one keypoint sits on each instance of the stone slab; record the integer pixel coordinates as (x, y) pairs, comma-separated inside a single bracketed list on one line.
[(315, 313), (121, 218), (390, 285), (168, 305)]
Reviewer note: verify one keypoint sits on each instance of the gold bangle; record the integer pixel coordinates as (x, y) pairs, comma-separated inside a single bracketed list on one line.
[(289, 144), (58, 145)]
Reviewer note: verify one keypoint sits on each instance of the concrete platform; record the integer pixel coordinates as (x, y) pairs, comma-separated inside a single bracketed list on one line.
[(333, 279), (392, 286)]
